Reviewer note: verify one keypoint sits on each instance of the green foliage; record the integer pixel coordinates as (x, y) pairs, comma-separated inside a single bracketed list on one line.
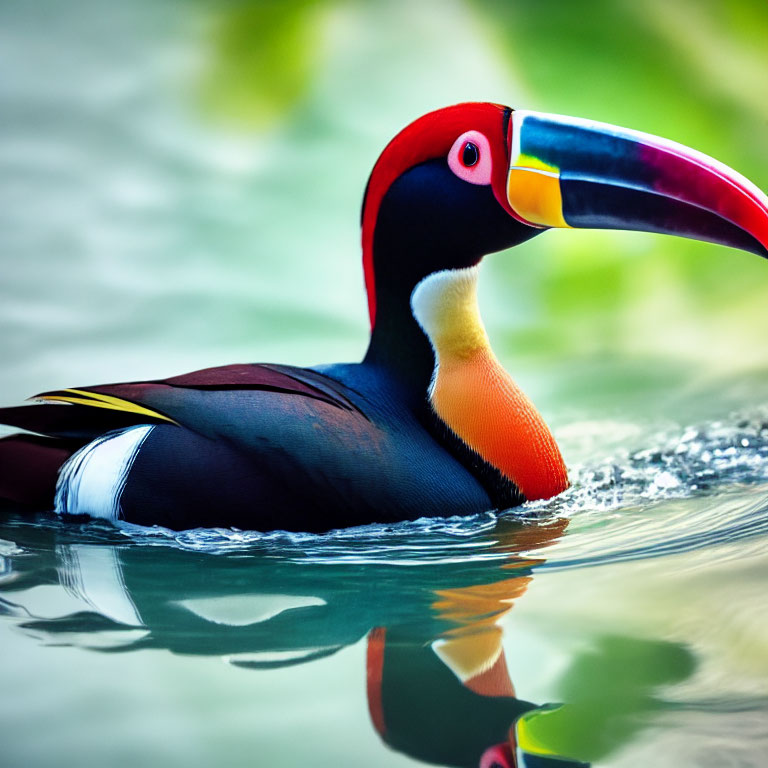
[(695, 71), (264, 55)]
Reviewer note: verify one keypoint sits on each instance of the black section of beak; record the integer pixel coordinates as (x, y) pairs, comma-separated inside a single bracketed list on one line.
[(591, 205)]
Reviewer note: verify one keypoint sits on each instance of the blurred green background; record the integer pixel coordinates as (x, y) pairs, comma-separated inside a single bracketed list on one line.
[(181, 183)]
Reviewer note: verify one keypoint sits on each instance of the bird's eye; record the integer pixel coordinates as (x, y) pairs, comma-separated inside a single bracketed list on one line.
[(470, 158), (470, 155)]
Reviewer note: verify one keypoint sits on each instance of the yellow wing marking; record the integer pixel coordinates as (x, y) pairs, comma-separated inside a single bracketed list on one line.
[(97, 400)]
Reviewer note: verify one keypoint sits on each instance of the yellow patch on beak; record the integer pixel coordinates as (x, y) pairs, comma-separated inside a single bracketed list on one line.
[(534, 193)]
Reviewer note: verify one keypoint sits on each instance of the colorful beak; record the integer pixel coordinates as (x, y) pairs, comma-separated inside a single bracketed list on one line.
[(567, 172)]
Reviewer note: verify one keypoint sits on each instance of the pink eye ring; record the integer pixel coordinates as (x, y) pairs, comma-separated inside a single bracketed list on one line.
[(470, 158)]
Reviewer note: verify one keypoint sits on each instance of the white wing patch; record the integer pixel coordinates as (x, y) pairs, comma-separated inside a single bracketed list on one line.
[(92, 480)]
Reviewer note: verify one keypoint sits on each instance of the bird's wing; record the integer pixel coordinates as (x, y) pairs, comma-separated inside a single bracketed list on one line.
[(84, 413)]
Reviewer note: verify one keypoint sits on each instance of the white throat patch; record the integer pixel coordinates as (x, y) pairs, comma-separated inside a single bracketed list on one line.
[(445, 306)]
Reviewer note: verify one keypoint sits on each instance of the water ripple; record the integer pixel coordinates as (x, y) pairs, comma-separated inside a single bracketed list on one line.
[(694, 488)]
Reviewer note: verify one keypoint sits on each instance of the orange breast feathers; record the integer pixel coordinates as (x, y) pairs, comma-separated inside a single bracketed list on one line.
[(475, 397)]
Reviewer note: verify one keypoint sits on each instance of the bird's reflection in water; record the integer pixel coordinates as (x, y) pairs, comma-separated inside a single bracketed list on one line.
[(438, 681)]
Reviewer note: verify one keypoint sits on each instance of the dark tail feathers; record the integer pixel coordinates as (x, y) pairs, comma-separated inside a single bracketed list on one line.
[(29, 468)]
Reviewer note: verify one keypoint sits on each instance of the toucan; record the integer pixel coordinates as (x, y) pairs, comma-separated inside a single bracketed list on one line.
[(429, 423)]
